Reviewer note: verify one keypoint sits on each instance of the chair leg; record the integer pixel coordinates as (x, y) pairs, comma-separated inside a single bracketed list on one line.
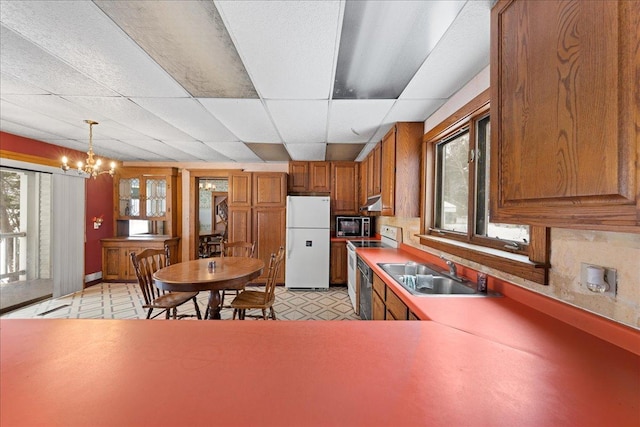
[(273, 313), (167, 314), (235, 311), (149, 313), (264, 314), (195, 302)]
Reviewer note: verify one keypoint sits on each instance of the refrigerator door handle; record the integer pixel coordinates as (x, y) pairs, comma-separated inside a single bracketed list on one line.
[(289, 243)]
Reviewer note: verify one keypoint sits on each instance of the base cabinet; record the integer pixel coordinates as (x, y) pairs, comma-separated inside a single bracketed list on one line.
[(116, 261), (338, 274), (387, 305)]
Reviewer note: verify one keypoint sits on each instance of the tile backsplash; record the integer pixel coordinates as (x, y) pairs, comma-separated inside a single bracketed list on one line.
[(570, 248)]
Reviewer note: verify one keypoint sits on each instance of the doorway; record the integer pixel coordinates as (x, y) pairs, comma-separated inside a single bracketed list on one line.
[(211, 215)]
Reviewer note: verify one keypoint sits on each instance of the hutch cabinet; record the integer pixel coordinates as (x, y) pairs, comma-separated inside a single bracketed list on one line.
[(564, 113)]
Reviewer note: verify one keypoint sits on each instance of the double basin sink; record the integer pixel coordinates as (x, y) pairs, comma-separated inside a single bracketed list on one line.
[(430, 281)]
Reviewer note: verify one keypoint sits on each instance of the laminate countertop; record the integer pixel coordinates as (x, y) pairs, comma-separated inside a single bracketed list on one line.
[(305, 373)]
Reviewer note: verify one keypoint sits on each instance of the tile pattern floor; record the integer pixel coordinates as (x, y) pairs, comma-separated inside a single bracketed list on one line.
[(124, 301)]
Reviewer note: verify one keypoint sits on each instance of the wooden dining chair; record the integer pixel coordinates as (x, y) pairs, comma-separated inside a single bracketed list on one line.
[(260, 300), (145, 264), (239, 248)]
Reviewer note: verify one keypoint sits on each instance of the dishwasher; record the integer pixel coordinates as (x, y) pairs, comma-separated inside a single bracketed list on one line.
[(365, 275)]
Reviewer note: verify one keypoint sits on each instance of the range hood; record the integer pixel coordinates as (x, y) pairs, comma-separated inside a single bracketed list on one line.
[(374, 204)]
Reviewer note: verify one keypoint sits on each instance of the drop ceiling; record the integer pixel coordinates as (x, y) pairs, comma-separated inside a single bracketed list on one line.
[(232, 81)]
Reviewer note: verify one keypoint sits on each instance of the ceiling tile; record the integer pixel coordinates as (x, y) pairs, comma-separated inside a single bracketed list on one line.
[(356, 120), (13, 86), (300, 121), (270, 152), (288, 47), (237, 151), (442, 75), (20, 57), (200, 150), (339, 152), (27, 131), (245, 118), (190, 41), (307, 151), (413, 110), (81, 35), (129, 114), (189, 116)]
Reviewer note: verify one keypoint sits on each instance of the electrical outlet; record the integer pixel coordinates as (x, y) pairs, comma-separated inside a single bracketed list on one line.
[(610, 276)]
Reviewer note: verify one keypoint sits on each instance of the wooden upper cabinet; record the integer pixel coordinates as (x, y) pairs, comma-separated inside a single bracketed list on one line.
[(298, 177), (565, 113), (309, 177), (401, 159), (320, 177), (362, 186), (376, 171), (269, 189), (240, 189), (344, 194)]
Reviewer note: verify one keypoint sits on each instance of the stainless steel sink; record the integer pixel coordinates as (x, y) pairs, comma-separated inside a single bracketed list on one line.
[(431, 281)]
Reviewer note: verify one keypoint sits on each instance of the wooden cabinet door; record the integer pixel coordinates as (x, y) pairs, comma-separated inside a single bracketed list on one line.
[(269, 189), (396, 307), (376, 171), (338, 271), (320, 177), (298, 177), (378, 310), (362, 184), (564, 112), (389, 173), (239, 189), (344, 194), (111, 261), (240, 225), (269, 235)]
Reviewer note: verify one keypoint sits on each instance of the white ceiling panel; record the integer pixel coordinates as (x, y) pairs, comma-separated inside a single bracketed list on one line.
[(412, 110), (461, 54), (117, 150), (288, 47), (13, 86), (169, 152), (131, 115), (27, 131), (300, 121), (80, 34), (20, 57), (308, 152), (189, 116), (28, 117), (356, 120), (235, 150), (245, 118), (55, 107)]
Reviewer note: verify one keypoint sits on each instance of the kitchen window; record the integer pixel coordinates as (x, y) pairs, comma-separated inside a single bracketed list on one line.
[(457, 218)]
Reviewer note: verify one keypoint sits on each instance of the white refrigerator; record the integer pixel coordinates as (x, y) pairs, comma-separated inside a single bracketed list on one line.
[(307, 243)]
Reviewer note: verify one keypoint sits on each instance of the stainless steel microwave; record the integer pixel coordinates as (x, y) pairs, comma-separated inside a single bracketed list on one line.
[(353, 226)]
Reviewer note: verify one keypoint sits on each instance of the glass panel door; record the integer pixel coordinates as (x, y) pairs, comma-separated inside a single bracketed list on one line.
[(25, 237)]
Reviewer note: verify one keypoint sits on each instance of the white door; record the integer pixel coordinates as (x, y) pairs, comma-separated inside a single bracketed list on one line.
[(307, 264), (307, 212)]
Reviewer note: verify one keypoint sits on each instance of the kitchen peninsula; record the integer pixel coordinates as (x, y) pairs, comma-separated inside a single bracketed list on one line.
[(122, 372)]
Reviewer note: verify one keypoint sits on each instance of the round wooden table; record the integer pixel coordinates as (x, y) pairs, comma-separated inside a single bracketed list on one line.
[(229, 273)]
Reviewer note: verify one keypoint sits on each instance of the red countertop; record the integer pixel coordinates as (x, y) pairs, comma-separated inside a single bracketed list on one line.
[(137, 372), (521, 319)]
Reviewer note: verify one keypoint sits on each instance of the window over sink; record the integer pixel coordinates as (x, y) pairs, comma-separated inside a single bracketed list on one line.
[(456, 216)]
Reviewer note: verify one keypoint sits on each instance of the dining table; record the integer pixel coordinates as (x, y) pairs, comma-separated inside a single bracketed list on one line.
[(209, 274)]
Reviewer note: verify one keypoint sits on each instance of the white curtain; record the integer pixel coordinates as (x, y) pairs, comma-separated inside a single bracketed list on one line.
[(67, 251)]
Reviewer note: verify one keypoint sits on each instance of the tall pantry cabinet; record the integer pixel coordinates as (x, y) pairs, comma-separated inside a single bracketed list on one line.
[(257, 212)]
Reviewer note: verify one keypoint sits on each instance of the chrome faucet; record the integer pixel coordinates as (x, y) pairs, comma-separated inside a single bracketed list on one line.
[(453, 269)]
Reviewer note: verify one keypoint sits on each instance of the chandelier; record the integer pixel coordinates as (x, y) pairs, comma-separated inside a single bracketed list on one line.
[(92, 166)]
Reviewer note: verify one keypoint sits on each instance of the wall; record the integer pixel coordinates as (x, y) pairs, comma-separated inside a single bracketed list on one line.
[(98, 192), (568, 247)]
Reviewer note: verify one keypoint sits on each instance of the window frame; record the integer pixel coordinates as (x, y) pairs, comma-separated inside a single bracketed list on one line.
[(530, 262)]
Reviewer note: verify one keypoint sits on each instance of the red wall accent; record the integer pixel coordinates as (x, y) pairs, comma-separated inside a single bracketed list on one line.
[(99, 193)]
